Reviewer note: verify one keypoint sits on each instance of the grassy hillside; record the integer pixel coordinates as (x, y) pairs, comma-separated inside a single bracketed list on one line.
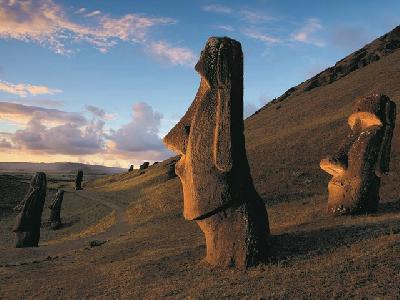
[(151, 251)]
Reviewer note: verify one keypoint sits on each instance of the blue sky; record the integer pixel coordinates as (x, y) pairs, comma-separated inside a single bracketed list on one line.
[(103, 81)]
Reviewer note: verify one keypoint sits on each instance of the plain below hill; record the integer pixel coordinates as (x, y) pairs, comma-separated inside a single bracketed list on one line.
[(58, 167)]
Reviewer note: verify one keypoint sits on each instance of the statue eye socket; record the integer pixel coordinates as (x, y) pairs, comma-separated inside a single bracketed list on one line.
[(187, 129)]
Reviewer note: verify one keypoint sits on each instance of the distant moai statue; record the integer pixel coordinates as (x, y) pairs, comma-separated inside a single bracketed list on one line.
[(78, 180), (28, 221), (130, 168), (55, 207), (144, 166), (363, 157), (218, 190), (171, 171)]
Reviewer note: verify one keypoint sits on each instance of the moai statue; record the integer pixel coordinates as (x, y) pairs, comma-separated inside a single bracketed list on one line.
[(218, 190), (130, 168), (144, 166), (362, 158), (28, 221), (55, 207), (171, 171), (78, 180)]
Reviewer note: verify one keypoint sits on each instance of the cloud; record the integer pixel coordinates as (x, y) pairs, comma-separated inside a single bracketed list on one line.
[(141, 133), (254, 17), (225, 27), (44, 22), (350, 38), (175, 55), (23, 89), (255, 34), (98, 112), (23, 114), (217, 8), (63, 139), (93, 13), (5, 144), (50, 103), (81, 10), (305, 33)]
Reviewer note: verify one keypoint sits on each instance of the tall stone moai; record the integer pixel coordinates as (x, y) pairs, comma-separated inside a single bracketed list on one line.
[(363, 157), (28, 221), (218, 190), (78, 180), (55, 207)]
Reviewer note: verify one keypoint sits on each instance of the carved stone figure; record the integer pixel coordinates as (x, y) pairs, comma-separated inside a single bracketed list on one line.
[(218, 190), (55, 219), (130, 168), (28, 221), (144, 166), (78, 180), (363, 157), (171, 171)]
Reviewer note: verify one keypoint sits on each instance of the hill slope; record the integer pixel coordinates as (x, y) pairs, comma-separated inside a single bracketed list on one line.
[(312, 254)]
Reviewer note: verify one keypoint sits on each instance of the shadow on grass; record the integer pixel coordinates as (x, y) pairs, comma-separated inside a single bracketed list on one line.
[(307, 244)]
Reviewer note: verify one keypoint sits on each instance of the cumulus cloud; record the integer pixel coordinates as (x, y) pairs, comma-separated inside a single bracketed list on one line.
[(99, 112), (255, 34), (45, 22), (5, 143), (141, 133), (217, 8), (305, 33), (175, 55), (63, 139), (24, 89), (23, 114)]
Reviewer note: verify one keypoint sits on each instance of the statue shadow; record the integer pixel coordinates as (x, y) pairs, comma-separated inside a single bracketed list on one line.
[(307, 244)]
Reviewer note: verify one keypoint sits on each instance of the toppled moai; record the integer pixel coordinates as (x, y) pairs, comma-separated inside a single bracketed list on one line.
[(130, 168), (144, 166), (218, 190), (363, 157), (55, 207), (28, 221), (78, 180)]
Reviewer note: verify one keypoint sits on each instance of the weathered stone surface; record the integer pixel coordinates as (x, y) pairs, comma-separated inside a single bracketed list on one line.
[(55, 207), (28, 221), (144, 166), (218, 189), (78, 180), (130, 168), (363, 157)]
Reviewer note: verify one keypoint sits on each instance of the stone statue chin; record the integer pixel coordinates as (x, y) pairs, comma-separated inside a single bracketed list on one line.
[(217, 187), (363, 157)]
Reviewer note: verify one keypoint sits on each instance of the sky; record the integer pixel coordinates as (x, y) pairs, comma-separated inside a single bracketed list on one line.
[(101, 82)]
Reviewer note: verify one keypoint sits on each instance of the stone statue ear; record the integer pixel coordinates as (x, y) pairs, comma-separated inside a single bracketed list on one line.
[(222, 135), (382, 166)]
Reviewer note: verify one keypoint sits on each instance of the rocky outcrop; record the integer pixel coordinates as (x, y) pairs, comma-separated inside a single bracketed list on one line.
[(217, 187), (78, 180), (28, 221), (363, 157), (55, 207), (370, 53)]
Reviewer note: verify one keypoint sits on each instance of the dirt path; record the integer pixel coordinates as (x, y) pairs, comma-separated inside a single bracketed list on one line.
[(48, 251)]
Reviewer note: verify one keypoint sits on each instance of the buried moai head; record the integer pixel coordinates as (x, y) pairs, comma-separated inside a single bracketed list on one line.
[(363, 157), (28, 221), (130, 168), (78, 180), (218, 191)]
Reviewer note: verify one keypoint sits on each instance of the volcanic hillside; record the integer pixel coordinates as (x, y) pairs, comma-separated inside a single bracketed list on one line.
[(147, 249)]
